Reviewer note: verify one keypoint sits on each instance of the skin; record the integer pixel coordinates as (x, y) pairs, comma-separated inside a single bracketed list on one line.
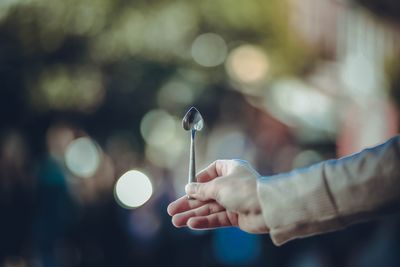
[(225, 195)]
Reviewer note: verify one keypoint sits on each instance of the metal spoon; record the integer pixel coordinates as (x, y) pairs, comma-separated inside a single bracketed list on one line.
[(192, 121)]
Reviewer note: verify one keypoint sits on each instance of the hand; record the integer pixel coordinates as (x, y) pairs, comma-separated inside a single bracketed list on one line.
[(225, 195)]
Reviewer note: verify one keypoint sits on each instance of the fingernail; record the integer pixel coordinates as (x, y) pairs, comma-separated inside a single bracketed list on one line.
[(191, 188), (169, 210)]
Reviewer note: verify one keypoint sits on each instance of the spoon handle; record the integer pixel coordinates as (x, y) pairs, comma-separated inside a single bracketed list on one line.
[(192, 160), (192, 163)]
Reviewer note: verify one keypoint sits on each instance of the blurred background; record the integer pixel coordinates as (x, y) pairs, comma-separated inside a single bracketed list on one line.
[(92, 94)]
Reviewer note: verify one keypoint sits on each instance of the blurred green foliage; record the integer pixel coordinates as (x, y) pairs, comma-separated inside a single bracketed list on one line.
[(105, 61)]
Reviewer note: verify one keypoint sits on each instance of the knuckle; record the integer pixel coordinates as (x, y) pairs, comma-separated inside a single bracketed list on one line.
[(222, 166), (218, 163), (200, 191), (215, 186), (212, 208), (235, 165)]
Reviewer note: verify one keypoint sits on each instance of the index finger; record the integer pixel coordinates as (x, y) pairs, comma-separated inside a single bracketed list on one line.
[(216, 169), (183, 204)]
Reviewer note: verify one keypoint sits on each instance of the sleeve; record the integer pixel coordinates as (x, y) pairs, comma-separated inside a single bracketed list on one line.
[(332, 194)]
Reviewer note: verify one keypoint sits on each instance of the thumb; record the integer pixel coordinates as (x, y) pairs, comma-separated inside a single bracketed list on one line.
[(202, 191)]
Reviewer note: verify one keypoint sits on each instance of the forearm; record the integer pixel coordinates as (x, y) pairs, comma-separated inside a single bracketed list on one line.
[(332, 194)]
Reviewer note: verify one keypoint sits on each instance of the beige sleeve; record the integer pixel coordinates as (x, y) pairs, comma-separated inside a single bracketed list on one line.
[(332, 194)]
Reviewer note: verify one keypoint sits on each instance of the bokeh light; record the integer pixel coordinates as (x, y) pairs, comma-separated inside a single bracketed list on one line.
[(360, 76), (229, 142), (157, 127), (164, 137), (168, 151), (133, 189), (58, 138), (168, 155), (247, 64), (82, 157), (209, 50), (175, 93), (299, 104)]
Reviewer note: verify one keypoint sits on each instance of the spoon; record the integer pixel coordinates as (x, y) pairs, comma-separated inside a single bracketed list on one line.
[(192, 121)]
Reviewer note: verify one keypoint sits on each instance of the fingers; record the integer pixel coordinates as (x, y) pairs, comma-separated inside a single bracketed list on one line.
[(203, 191), (206, 192), (180, 219), (183, 204), (219, 219), (214, 170), (210, 197)]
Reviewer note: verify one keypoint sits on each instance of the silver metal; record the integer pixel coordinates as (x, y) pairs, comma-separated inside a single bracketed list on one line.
[(192, 121), (192, 161)]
